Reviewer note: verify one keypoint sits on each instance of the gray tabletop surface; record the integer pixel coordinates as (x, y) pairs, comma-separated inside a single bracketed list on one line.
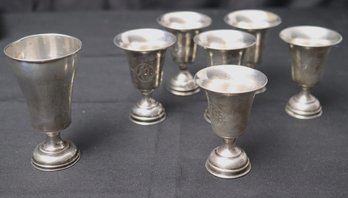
[(290, 157)]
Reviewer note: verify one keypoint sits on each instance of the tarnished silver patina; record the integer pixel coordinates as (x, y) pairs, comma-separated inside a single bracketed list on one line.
[(45, 66), (230, 91), (224, 47), (145, 49), (184, 25), (309, 47), (255, 22)]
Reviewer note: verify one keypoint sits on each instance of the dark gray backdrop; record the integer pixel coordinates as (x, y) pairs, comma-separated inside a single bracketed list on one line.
[(68, 5)]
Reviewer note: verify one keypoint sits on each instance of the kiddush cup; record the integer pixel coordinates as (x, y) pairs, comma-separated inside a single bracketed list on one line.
[(145, 49), (256, 22), (230, 91), (309, 47), (224, 47), (184, 25), (45, 65)]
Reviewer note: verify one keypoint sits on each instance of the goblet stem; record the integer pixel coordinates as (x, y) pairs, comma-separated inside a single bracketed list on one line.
[(305, 93), (183, 66), (53, 142), (147, 100), (229, 148)]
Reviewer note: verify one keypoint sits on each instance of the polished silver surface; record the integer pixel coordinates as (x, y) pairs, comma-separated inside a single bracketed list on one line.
[(145, 49), (255, 22), (45, 66), (224, 47), (230, 91), (309, 47), (184, 25)]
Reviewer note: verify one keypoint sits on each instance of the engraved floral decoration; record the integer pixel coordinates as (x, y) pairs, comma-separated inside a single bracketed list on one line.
[(216, 114)]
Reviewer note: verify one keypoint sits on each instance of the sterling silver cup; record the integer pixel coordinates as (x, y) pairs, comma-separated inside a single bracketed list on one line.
[(256, 22), (45, 65), (145, 49), (224, 47), (309, 47), (184, 25), (230, 91)]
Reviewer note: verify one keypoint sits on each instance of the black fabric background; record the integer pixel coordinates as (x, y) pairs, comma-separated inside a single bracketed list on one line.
[(73, 5), (290, 157)]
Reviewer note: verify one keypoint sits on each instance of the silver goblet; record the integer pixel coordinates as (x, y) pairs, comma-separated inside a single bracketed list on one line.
[(255, 22), (309, 47), (230, 91), (184, 25), (224, 47), (45, 66), (145, 49)]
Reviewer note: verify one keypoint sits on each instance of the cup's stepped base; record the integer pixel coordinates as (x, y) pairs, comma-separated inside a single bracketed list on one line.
[(147, 112), (183, 84), (302, 114), (304, 106), (183, 93), (148, 120), (55, 160), (228, 163)]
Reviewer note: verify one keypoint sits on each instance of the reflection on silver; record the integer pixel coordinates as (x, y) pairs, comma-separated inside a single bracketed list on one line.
[(44, 66), (184, 25), (255, 22), (309, 48), (145, 49), (230, 91), (224, 47)]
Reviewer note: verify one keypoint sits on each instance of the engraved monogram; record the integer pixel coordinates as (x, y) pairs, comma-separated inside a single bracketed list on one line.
[(144, 72)]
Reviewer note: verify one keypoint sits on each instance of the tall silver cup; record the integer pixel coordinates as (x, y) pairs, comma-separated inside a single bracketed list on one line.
[(309, 47), (45, 66), (145, 49), (256, 22), (184, 25), (230, 91), (224, 47)]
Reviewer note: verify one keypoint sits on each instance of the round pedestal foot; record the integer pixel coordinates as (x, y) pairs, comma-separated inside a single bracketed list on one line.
[(304, 106), (183, 84), (147, 112), (302, 114), (142, 120), (183, 93), (228, 162), (48, 158)]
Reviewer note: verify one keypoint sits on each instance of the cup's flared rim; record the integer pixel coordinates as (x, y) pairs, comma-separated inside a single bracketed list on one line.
[(42, 60), (292, 35), (204, 78), (234, 34), (231, 17), (205, 22), (151, 32)]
